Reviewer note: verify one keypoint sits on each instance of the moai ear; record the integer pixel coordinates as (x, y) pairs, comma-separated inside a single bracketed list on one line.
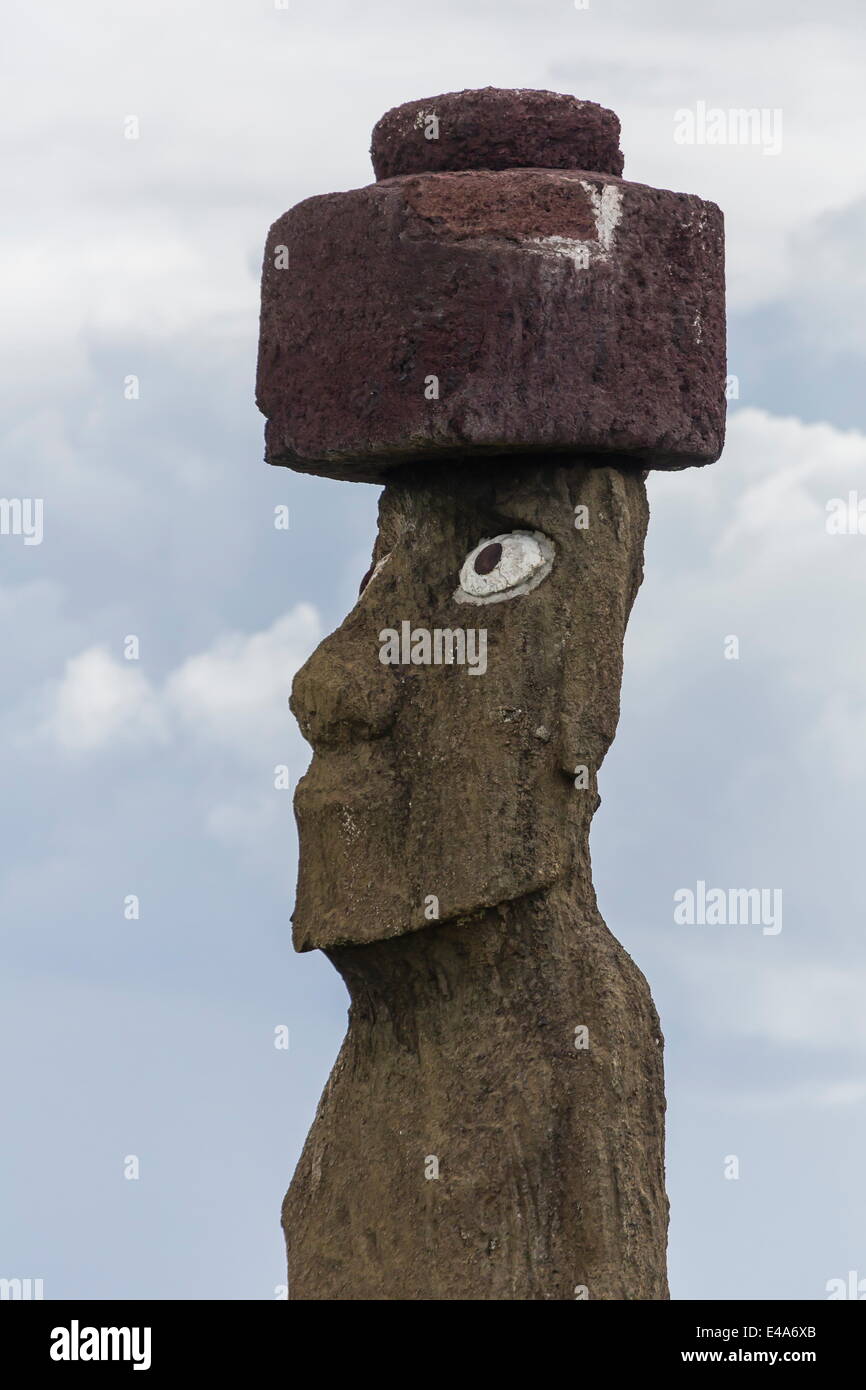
[(611, 506), (501, 290)]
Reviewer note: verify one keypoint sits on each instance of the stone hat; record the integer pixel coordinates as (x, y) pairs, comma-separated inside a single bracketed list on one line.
[(499, 290)]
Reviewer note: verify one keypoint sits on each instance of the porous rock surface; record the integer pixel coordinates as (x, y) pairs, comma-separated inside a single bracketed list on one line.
[(549, 1162), (479, 312), (496, 128)]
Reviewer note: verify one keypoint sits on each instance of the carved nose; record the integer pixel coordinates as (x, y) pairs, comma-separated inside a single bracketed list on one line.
[(343, 694)]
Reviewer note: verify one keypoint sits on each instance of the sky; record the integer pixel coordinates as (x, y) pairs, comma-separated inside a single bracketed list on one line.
[(148, 862)]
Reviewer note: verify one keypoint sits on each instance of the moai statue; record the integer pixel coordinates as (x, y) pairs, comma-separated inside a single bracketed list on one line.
[(507, 335)]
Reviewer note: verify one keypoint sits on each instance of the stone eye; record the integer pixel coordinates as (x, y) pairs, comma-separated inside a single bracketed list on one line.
[(488, 558), (502, 567)]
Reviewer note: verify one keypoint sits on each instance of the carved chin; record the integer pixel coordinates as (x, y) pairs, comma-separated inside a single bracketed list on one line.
[(374, 865)]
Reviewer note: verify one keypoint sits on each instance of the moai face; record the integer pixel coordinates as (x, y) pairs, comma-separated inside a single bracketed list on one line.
[(501, 329), (440, 788)]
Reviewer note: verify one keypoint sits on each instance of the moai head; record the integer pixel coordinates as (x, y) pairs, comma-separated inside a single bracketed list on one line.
[(509, 335)]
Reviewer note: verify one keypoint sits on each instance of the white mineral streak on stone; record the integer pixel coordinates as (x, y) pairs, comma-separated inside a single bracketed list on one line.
[(607, 211), (580, 252), (379, 567), (376, 572)]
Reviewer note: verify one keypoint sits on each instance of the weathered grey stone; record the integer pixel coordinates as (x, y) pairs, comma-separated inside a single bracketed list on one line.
[(428, 779), (550, 1159), (427, 784)]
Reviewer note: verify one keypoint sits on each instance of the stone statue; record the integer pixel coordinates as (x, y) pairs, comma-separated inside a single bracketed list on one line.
[(508, 335)]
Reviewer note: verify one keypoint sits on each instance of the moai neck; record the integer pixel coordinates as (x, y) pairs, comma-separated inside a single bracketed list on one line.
[(508, 335), (494, 1126)]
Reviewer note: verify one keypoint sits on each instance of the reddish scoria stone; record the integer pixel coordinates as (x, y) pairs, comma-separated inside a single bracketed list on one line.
[(496, 129), (481, 312)]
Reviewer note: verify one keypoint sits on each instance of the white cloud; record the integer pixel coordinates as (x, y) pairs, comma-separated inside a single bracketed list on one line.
[(842, 1093), (742, 548), (157, 232), (236, 692), (233, 695), (828, 282), (805, 1004), (102, 701)]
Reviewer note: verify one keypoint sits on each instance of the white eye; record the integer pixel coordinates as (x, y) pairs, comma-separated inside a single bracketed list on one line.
[(504, 567)]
